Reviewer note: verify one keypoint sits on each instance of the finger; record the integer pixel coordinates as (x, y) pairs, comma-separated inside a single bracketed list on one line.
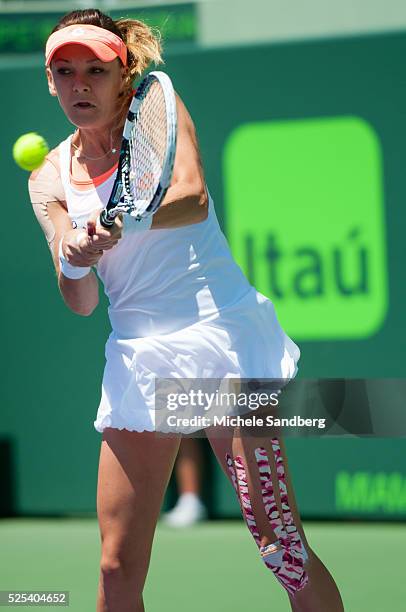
[(110, 245), (82, 239), (68, 254), (100, 234), (91, 227), (89, 252), (119, 221), (102, 243)]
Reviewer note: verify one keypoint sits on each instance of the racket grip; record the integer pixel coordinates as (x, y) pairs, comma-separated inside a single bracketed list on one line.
[(105, 219)]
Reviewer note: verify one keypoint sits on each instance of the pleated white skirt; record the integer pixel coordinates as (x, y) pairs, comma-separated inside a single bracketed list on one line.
[(243, 341)]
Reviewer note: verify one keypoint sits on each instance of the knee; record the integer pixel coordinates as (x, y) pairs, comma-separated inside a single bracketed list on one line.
[(287, 560), (110, 566), (122, 567)]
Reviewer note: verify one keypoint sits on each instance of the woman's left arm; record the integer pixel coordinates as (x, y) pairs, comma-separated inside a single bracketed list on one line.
[(186, 201)]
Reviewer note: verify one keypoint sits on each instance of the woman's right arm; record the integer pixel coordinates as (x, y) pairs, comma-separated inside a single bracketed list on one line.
[(47, 198), (80, 295)]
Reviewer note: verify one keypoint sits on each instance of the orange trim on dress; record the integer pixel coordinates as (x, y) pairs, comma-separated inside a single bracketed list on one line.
[(93, 182)]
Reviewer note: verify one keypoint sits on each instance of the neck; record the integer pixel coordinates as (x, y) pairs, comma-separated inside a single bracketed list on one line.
[(97, 142)]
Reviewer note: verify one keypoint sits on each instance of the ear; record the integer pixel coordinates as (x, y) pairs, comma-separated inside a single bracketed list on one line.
[(51, 84)]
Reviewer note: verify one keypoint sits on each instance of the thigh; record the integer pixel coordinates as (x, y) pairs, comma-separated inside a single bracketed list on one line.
[(134, 470)]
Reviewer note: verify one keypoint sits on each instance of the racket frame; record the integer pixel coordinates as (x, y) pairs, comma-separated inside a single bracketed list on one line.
[(120, 200)]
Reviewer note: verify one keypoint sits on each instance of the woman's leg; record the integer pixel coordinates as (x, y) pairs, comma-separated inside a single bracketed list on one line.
[(134, 470), (259, 473)]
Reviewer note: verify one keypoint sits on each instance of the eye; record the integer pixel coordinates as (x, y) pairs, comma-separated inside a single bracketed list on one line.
[(63, 71), (96, 70)]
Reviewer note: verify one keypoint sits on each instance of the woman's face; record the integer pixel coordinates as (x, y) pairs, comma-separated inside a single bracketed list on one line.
[(87, 88)]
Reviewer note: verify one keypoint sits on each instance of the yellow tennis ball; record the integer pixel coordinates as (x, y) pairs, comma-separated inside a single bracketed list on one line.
[(29, 151)]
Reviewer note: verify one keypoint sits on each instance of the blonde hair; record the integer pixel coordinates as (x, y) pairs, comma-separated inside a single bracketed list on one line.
[(143, 45), (143, 42)]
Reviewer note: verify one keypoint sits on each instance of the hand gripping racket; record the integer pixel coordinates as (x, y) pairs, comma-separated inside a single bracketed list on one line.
[(147, 151)]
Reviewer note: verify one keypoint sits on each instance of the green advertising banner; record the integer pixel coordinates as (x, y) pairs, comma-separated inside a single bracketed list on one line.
[(324, 262), (27, 32)]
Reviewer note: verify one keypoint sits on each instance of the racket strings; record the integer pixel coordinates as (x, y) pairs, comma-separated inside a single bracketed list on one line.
[(147, 145)]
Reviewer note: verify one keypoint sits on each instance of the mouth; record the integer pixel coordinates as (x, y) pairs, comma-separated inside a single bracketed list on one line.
[(84, 104)]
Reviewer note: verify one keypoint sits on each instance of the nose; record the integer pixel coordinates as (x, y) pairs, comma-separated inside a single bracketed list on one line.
[(80, 86)]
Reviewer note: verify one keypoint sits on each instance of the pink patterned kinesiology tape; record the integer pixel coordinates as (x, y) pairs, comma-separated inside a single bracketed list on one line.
[(291, 573), (242, 492), (286, 556)]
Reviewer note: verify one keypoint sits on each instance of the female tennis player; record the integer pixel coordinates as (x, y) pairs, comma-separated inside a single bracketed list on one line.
[(180, 307)]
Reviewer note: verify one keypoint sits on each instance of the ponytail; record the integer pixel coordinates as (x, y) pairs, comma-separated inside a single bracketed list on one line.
[(143, 45)]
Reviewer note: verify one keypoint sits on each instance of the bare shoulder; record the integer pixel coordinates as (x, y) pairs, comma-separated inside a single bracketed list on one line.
[(50, 166), (45, 184)]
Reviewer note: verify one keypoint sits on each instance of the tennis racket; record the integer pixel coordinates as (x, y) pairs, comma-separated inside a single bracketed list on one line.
[(147, 152)]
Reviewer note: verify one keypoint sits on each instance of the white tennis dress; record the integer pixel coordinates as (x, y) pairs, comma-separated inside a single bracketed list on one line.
[(180, 307)]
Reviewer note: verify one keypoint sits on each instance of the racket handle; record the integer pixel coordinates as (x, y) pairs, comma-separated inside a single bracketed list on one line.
[(106, 220)]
